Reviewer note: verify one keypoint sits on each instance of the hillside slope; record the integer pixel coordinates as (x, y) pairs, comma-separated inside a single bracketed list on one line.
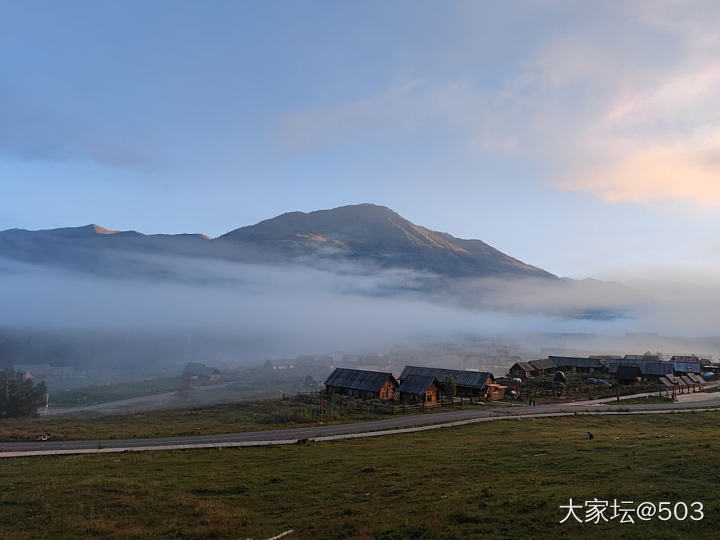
[(376, 234)]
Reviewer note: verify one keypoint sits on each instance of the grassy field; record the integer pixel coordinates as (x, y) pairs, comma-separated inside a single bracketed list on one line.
[(503, 479), (252, 415), (206, 420), (240, 383), (101, 393)]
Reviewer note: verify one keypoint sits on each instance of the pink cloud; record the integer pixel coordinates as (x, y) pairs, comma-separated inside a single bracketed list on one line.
[(652, 175)]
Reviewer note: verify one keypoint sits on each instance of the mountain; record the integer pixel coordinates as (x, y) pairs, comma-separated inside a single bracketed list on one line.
[(92, 248), (374, 234), (368, 235), (370, 249)]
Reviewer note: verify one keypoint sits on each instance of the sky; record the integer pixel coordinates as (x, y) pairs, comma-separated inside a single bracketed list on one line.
[(580, 137)]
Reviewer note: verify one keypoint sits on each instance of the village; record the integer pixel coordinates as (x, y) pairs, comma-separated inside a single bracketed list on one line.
[(551, 377)]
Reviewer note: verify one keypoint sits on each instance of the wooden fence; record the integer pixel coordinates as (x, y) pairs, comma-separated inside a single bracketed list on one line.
[(416, 407), (402, 407), (346, 402)]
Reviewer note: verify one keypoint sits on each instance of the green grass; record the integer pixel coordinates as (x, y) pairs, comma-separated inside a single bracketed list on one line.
[(503, 479), (244, 383), (251, 415), (101, 393), (235, 385), (206, 420)]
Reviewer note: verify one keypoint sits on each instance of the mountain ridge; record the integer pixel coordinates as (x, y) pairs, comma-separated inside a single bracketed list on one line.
[(377, 233), (363, 233)]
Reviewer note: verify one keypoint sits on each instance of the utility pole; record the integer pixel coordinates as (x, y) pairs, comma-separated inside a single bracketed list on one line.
[(47, 402)]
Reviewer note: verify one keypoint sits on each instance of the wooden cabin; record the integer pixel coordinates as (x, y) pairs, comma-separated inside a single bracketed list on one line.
[(533, 368), (468, 383), (649, 368), (577, 364), (362, 384), (543, 365), (195, 371), (628, 374), (310, 384), (522, 370), (419, 389), (495, 391)]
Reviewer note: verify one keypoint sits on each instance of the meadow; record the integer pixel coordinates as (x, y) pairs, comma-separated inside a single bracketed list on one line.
[(101, 393), (503, 479), (251, 415)]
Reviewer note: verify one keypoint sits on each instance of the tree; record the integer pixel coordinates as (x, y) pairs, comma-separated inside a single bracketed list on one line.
[(186, 381), (19, 396), (450, 386)]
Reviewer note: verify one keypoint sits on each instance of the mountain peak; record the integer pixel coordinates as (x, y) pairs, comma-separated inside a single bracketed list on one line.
[(378, 235), (367, 235), (366, 210), (100, 230), (362, 209)]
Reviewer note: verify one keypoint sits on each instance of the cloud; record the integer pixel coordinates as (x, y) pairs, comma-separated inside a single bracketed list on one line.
[(35, 130), (624, 105), (661, 174), (454, 109), (648, 127), (241, 313)]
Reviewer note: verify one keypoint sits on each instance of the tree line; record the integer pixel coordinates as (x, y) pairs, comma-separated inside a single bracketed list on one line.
[(19, 396)]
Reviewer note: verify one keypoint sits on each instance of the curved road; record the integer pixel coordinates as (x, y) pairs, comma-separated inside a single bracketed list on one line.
[(397, 424)]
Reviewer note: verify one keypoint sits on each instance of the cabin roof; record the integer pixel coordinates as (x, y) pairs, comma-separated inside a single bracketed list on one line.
[(201, 370), (573, 361), (417, 384), (647, 367), (525, 366), (543, 363), (359, 379), (469, 379)]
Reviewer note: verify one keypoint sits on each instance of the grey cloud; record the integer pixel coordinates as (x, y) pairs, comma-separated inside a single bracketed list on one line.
[(36, 130)]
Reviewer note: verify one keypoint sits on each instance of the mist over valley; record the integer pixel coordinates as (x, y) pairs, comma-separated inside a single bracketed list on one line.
[(356, 279)]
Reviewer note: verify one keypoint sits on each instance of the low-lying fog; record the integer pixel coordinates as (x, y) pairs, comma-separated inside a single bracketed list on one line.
[(232, 313)]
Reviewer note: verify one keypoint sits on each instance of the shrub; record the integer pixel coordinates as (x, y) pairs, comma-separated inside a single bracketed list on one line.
[(19, 396)]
